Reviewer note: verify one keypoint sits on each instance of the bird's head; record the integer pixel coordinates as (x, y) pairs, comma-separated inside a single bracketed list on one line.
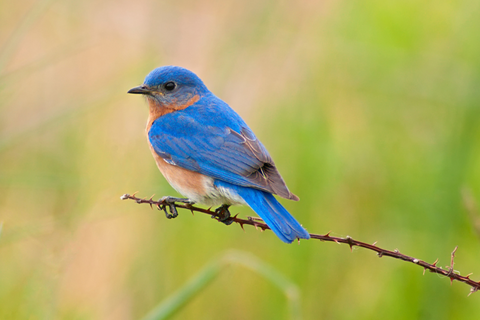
[(172, 87)]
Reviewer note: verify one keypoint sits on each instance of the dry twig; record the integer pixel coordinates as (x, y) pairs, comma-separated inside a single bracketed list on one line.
[(449, 272)]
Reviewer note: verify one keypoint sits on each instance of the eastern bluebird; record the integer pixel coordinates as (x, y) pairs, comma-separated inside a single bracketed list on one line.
[(208, 153)]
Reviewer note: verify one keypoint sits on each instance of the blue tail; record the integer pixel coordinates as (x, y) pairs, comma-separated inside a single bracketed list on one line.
[(271, 211)]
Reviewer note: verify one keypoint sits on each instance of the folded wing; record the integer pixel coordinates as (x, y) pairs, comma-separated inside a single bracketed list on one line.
[(214, 140)]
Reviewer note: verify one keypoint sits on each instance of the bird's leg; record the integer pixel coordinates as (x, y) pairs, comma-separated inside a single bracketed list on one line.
[(170, 202), (223, 215)]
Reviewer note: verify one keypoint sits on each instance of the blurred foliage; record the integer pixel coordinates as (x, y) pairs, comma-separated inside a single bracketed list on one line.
[(193, 287), (370, 110)]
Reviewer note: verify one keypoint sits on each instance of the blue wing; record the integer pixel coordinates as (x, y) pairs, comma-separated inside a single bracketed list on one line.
[(210, 138)]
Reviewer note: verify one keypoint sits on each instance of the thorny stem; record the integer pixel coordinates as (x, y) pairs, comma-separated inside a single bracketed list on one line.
[(257, 223)]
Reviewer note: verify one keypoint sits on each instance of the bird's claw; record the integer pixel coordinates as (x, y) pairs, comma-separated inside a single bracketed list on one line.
[(223, 215), (170, 202)]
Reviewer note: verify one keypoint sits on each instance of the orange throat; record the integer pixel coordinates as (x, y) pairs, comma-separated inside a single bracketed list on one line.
[(157, 110)]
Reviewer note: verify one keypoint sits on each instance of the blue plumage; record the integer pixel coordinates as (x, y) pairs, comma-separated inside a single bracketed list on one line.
[(190, 128), (204, 141), (271, 211)]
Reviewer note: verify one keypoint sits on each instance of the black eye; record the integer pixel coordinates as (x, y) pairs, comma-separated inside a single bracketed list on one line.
[(170, 85)]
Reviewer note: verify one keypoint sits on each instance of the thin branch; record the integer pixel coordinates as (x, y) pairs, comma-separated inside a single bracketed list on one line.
[(449, 272)]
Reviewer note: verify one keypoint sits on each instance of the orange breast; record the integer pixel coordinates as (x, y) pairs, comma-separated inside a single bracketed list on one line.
[(191, 184)]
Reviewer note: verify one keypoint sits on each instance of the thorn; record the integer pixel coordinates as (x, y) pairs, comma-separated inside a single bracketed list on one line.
[(255, 219), (473, 290), (468, 276), (253, 223), (435, 263), (150, 202), (327, 235), (133, 194), (234, 219), (374, 244), (380, 254), (452, 258), (424, 269), (350, 242)]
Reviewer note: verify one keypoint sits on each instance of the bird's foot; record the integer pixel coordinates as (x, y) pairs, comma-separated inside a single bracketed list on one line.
[(170, 202), (223, 215)]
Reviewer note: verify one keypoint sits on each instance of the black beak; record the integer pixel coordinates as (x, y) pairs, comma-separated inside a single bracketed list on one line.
[(139, 90)]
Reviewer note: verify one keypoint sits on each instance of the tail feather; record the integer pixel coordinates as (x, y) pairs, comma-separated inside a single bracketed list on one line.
[(274, 214)]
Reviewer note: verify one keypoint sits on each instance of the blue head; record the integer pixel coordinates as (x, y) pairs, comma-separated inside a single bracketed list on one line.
[(172, 87)]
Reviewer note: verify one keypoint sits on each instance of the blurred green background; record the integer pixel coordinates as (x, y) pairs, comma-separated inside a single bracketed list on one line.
[(369, 108)]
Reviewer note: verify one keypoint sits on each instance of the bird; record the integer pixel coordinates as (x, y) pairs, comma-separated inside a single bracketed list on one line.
[(208, 153)]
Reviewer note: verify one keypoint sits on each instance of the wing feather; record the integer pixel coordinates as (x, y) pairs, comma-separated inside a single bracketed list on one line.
[(213, 140)]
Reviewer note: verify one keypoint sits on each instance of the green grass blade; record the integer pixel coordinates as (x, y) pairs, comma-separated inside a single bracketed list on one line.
[(180, 298), (289, 289)]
